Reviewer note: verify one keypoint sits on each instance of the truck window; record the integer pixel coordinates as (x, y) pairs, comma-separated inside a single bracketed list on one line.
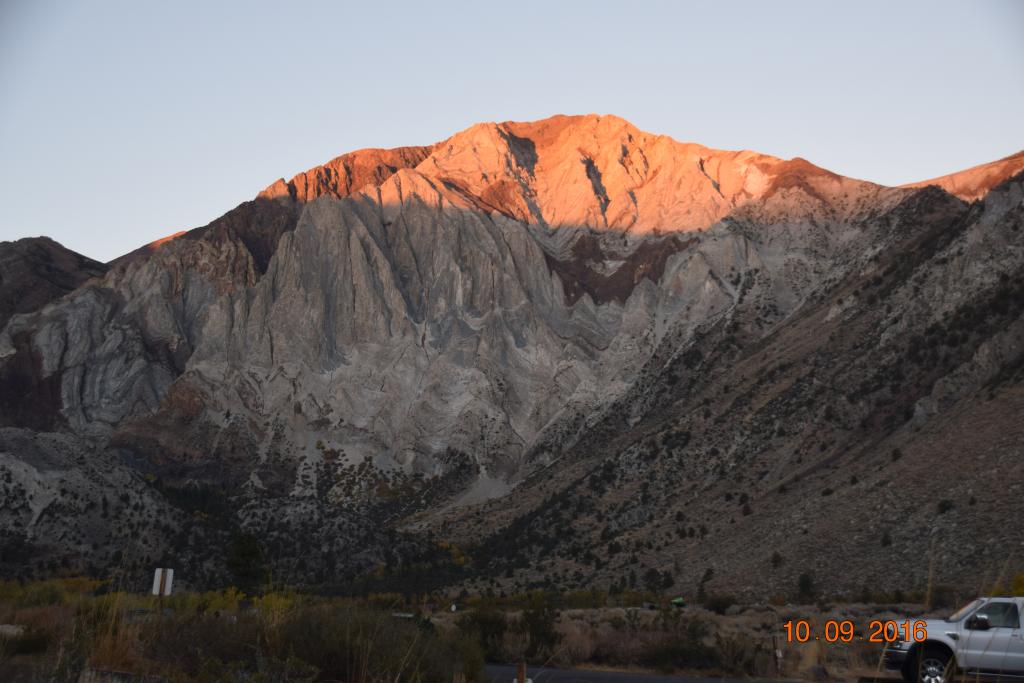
[(1001, 614)]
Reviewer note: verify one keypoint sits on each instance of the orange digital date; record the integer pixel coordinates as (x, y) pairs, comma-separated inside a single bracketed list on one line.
[(844, 631)]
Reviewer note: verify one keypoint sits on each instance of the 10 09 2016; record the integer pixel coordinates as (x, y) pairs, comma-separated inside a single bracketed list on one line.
[(845, 631)]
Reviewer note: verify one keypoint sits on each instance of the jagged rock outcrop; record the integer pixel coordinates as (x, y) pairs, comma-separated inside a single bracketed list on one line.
[(402, 335)]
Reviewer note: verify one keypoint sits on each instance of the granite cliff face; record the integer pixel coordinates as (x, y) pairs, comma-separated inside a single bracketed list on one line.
[(398, 337), (503, 274)]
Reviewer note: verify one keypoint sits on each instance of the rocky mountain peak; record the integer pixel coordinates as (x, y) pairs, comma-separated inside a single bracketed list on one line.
[(603, 172), (597, 171), (608, 321)]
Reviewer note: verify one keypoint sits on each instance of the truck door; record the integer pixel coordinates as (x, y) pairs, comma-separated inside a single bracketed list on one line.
[(1015, 653), (998, 648)]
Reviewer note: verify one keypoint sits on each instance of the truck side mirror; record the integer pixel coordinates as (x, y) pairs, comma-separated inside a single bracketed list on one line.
[(979, 622)]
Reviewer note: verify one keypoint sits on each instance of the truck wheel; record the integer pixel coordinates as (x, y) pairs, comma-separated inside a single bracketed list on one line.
[(929, 665)]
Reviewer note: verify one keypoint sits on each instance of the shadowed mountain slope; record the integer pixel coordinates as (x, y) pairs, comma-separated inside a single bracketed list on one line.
[(524, 326), (36, 270)]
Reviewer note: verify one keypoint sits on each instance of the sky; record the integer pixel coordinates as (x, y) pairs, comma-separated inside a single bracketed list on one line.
[(125, 121)]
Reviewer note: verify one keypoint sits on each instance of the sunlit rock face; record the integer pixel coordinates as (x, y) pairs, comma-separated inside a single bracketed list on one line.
[(974, 183), (420, 328), (393, 304)]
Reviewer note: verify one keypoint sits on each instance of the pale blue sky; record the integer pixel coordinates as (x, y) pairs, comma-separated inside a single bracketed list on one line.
[(121, 122)]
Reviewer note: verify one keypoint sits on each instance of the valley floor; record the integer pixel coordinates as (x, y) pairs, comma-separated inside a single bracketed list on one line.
[(81, 630)]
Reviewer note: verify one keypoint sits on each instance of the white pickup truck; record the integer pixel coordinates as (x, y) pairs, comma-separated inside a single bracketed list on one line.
[(984, 639)]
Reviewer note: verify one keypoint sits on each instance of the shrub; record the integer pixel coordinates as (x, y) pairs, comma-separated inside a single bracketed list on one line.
[(682, 646), (578, 645), (197, 643), (49, 592), (29, 642), (719, 603), (539, 623), (354, 644), (488, 626), (246, 564), (652, 579), (805, 588), (742, 654)]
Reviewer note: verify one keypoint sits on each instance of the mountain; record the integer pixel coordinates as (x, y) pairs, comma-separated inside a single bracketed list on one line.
[(975, 182), (36, 270), (694, 359)]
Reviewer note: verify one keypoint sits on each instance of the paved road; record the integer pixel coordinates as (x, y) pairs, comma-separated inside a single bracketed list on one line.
[(507, 674)]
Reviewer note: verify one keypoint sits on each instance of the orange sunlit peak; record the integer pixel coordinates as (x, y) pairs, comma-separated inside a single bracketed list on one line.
[(156, 244)]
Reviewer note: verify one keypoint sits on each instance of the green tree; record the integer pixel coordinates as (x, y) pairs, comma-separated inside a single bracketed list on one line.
[(246, 564), (652, 579), (539, 620), (702, 593), (488, 626), (805, 587)]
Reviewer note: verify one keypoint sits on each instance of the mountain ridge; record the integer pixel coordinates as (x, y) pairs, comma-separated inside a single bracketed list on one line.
[(352, 172), (395, 347), (36, 270), (975, 182)]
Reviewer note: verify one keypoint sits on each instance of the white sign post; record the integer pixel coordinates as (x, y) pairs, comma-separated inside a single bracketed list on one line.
[(162, 579)]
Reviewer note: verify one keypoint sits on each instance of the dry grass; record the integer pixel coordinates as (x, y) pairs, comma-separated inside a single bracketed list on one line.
[(212, 637), (288, 636)]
